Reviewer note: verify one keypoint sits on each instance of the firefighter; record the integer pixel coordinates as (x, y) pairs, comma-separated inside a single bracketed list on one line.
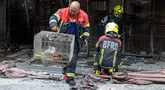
[(72, 20), (116, 17), (107, 58)]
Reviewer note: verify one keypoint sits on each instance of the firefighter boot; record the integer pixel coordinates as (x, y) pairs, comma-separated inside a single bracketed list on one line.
[(64, 72), (70, 81), (110, 71)]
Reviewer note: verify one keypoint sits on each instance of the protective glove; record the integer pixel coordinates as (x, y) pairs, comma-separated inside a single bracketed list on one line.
[(110, 71), (97, 72)]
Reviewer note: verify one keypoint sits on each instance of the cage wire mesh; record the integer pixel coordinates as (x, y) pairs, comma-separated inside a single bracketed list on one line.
[(139, 40), (159, 38), (48, 45), (147, 29)]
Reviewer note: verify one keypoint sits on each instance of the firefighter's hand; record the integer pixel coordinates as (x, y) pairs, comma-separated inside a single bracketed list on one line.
[(54, 28), (86, 42)]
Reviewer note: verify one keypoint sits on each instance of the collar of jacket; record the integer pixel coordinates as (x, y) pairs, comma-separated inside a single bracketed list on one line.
[(112, 35)]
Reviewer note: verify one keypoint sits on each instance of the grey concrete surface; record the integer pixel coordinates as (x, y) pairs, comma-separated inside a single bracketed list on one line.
[(34, 84), (31, 84), (134, 64)]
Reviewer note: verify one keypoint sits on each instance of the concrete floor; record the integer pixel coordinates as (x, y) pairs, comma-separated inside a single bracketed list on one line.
[(136, 64), (34, 84)]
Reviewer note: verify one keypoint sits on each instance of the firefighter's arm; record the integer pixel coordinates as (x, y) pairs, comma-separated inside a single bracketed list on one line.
[(54, 20), (86, 34), (99, 41), (119, 54), (97, 44), (103, 21)]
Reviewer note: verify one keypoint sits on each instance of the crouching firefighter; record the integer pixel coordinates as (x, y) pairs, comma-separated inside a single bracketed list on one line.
[(71, 20), (107, 59)]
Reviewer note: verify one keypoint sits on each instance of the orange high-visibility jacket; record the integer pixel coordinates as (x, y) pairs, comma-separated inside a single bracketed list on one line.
[(62, 16)]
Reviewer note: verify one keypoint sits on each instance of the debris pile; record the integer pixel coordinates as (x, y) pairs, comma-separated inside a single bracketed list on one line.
[(140, 78), (90, 82), (10, 71)]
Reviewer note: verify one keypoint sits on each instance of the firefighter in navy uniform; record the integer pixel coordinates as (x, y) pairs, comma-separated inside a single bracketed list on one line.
[(116, 17), (71, 20), (107, 60)]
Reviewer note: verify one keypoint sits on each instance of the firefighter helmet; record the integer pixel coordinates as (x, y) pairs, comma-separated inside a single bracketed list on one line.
[(118, 10), (111, 27)]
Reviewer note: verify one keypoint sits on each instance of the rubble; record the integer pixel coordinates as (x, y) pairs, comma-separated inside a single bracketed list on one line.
[(10, 71), (84, 66), (90, 82), (141, 78)]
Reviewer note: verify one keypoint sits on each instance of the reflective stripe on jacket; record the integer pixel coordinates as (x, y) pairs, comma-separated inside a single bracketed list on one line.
[(62, 16), (108, 49)]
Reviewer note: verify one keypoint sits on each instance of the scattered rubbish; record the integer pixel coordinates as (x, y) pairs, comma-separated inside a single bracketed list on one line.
[(90, 82), (142, 78), (143, 53), (10, 71)]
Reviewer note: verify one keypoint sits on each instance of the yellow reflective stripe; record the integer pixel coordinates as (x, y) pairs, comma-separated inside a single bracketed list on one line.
[(70, 74), (60, 27), (85, 34), (64, 65), (87, 25), (120, 64), (94, 56), (58, 17), (125, 59), (101, 58), (95, 64), (37, 54), (114, 59)]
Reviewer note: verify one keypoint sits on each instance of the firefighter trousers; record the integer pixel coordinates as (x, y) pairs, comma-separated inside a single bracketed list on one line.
[(97, 66), (71, 67)]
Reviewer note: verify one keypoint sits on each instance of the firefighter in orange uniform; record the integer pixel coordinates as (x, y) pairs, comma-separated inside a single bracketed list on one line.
[(72, 20)]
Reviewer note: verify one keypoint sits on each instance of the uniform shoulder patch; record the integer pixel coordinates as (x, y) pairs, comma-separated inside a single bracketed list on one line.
[(104, 19)]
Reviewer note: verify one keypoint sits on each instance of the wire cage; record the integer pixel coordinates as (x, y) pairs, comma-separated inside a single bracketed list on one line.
[(53, 46)]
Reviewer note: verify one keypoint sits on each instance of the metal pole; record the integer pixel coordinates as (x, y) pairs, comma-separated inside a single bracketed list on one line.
[(107, 6), (70, 2), (123, 39), (87, 1), (27, 17), (152, 30), (8, 24)]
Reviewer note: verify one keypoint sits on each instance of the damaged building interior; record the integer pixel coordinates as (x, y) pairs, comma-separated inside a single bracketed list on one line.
[(143, 36), (143, 22)]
